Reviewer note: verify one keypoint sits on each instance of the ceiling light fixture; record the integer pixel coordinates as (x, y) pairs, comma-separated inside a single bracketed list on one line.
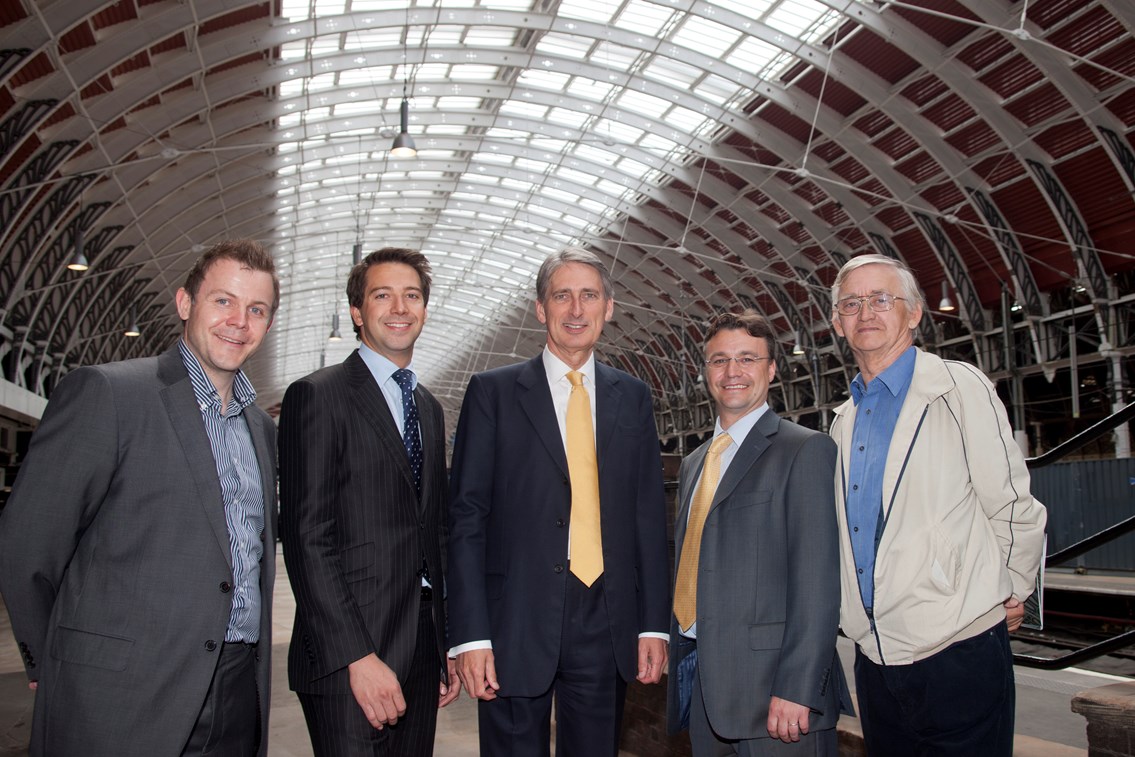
[(946, 305), (79, 260), (798, 349), (404, 144), (132, 330), (335, 335)]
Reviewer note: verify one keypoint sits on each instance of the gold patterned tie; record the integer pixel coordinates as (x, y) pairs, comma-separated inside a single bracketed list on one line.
[(686, 592), (586, 545)]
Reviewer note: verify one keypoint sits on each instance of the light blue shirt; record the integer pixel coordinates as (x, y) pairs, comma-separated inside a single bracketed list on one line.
[(878, 405), (383, 371), (242, 490), (737, 432)]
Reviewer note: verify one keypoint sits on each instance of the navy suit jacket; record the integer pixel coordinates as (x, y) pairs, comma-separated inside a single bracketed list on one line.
[(354, 529), (509, 521)]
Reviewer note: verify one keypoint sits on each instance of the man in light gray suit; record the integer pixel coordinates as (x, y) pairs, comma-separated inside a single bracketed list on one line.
[(137, 550), (753, 664)]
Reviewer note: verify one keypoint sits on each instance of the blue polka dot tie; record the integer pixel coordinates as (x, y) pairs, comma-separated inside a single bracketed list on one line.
[(411, 436)]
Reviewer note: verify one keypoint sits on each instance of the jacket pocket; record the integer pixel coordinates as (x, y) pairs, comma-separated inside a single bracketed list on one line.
[(94, 649), (766, 636), (945, 564)]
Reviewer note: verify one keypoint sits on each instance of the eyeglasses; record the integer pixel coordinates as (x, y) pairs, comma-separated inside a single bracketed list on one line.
[(880, 302), (742, 361)]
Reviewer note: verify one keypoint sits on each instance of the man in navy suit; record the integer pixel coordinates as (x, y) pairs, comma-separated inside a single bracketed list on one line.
[(558, 581), (362, 502)]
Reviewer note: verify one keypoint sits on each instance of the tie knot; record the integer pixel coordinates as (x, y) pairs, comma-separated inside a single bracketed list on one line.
[(404, 379), (719, 443), (575, 377)]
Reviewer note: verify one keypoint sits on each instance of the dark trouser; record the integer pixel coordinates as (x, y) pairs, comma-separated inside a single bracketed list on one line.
[(588, 692), (338, 727), (229, 722), (705, 742), (959, 702)]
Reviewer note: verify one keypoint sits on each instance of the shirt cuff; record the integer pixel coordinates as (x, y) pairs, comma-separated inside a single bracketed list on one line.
[(654, 635), (469, 646)]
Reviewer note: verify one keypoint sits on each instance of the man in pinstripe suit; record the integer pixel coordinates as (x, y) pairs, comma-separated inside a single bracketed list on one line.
[(362, 501)]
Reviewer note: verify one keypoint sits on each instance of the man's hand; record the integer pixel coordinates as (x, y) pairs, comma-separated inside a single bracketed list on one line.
[(448, 692), (652, 654), (478, 673), (787, 721), (1014, 613), (33, 685), (377, 691)]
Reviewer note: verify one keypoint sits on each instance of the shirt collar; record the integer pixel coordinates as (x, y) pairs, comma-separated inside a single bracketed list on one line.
[(557, 369), (896, 378), (381, 367), (742, 426), (203, 390)]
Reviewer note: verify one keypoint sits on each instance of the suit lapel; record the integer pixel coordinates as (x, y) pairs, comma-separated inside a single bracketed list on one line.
[(607, 405), (428, 422), (536, 401), (747, 455), (372, 405), (189, 429), (693, 466)]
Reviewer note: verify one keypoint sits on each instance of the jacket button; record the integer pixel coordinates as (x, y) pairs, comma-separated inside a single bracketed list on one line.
[(210, 645), (558, 568), (226, 587), (559, 522)]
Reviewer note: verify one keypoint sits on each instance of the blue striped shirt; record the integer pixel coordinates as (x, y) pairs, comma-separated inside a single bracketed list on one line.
[(241, 491)]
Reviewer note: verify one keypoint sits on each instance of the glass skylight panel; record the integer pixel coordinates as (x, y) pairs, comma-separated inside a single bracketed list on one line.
[(614, 57), (579, 177), (753, 9), (599, 11), (539, 79), (471, 72), (589, 89), (523, 110), (794, 16), (717, 90), (490, 36), (639, 102), (566, 117), (291, 88), (672, 72), (366, 76), (705, 36), (323, 46), (593, 154), (559, 45), (369, 39), (616, 131), (752, 55), (643, 17)]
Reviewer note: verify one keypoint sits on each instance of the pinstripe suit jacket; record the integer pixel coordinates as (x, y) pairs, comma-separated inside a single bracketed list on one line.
[(115, 562), (354, 531)]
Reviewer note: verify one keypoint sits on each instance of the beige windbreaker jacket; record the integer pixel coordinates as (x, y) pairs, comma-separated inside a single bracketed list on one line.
[(961, 532)]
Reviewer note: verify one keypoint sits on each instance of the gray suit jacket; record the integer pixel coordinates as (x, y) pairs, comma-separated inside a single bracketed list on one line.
[(115, 562), (768, 582)]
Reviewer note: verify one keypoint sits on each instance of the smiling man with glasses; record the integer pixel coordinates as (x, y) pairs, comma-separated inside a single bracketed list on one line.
[(753, 666), (940, 539)]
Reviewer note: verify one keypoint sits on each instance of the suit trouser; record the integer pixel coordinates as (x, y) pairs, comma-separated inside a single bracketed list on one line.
[(229, 722), (706, 743), (959, 702), (587, 688), (338, 727)]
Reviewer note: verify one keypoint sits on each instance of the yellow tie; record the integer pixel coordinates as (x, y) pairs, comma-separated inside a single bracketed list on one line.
[(686, 592), (586, 539)]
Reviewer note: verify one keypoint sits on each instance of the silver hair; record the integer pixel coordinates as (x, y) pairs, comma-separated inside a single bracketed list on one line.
[(572, 255), (910, 289)]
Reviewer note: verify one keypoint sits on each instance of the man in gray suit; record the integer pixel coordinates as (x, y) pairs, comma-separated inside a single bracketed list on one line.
[(137, 548), (753, 664)]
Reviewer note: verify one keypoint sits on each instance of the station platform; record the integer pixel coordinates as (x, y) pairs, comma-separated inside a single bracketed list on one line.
[(1046, 726), (1118, 584)]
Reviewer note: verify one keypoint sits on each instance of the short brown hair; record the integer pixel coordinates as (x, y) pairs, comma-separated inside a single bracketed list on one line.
[(749, 321), (247, 253), (357, 280)]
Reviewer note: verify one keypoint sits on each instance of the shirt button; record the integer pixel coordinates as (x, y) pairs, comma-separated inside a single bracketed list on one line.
[(868, 412), (860, 447), (855, 487), (856, 529), (226, 587), (558, 568), (559, 522), (861, 571), (210, 645)]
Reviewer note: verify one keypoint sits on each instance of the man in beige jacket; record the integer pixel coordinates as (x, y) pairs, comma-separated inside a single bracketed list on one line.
[(940, 540)]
